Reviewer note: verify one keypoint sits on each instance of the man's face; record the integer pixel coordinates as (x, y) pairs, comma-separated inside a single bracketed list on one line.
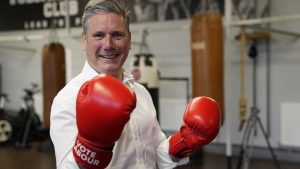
[(107, 43)]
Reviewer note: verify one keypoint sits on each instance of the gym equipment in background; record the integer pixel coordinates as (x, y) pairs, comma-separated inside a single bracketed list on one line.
[(25, 125), (54, 75), (207, 56), (29, 122), (252, 121), (144, 68)]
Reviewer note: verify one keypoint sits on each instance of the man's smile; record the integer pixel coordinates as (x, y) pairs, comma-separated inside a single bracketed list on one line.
[(109, 56)]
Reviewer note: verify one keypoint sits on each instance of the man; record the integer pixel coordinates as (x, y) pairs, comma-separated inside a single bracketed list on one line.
[(103, 119)]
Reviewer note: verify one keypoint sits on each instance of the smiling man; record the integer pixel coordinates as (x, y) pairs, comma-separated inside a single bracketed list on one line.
[(106, 40), (103, 119)]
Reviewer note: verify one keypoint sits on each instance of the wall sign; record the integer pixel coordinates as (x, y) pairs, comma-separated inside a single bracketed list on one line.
[(39, 14)]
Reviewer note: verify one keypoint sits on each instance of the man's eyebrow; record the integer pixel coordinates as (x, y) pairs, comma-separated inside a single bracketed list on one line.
[(98, 33)]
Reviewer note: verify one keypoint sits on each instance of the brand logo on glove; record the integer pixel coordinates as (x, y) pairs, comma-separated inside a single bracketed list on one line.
[(86, 154)]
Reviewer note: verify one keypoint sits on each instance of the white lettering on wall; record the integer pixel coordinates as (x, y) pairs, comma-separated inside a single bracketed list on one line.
[(25, 2), (58, 9)]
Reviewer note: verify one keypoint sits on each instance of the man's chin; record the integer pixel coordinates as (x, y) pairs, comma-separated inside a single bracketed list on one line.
[(111, 70)]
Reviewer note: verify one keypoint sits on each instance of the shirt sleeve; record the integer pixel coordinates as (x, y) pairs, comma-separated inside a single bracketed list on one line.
[(63, 130)]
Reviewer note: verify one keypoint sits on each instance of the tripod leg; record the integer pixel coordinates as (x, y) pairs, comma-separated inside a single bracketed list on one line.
[(249, 137), (241, 154), (249, 147), (243, 144), (268, 143)]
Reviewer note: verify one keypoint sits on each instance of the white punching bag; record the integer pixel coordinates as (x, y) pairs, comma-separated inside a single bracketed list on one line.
[(144, 69)]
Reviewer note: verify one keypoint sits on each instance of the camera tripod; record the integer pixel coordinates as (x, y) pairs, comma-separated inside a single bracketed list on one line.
[(251, 124)]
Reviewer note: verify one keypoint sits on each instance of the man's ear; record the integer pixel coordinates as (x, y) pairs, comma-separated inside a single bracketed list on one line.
[(83, 40)]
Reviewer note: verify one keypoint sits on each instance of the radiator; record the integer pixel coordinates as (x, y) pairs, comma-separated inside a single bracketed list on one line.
[(290, 124)]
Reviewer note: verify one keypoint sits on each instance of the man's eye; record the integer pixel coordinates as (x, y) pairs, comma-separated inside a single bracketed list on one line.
[(99, 35), (118, 35)]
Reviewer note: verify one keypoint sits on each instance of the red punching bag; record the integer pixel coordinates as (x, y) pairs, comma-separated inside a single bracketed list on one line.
[(207, 56), (54, 75)]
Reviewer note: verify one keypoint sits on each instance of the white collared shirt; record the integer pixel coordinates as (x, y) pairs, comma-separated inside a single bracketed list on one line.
[(142, 144)]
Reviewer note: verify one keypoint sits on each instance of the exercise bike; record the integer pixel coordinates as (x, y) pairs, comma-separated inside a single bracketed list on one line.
[(31, 126), (26, 125)]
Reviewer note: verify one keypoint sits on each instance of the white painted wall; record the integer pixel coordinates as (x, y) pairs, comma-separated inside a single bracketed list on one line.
[(170, 43)]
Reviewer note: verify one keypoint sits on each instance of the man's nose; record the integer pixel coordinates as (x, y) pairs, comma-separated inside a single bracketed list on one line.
[(108, 43)]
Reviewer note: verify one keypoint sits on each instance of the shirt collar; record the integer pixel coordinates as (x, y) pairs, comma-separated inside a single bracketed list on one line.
[(128, 78), (88, 71)]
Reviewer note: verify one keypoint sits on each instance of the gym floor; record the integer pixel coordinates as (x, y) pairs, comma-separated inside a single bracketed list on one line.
[(39, 157)]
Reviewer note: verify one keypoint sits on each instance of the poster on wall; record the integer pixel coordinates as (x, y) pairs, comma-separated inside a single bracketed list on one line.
[(44, 14), (164, 10)]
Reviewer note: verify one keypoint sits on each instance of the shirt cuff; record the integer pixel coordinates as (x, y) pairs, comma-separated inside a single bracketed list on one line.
[(164, 161)]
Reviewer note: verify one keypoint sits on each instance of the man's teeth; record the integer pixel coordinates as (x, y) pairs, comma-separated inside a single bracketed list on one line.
[(108, 56)]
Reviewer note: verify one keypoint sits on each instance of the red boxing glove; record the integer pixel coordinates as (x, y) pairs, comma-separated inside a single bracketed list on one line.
[(103, 107), (202, 121)]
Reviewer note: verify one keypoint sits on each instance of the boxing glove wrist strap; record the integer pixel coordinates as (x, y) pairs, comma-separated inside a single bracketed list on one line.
[(177, 147), (90, 156)]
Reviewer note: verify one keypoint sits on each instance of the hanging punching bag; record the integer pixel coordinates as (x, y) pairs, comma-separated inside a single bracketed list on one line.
[(54, 75), (144, 69), (207, 56)]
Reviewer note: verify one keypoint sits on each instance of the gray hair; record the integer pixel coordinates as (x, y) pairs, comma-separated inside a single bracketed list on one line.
[(94, 7)]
